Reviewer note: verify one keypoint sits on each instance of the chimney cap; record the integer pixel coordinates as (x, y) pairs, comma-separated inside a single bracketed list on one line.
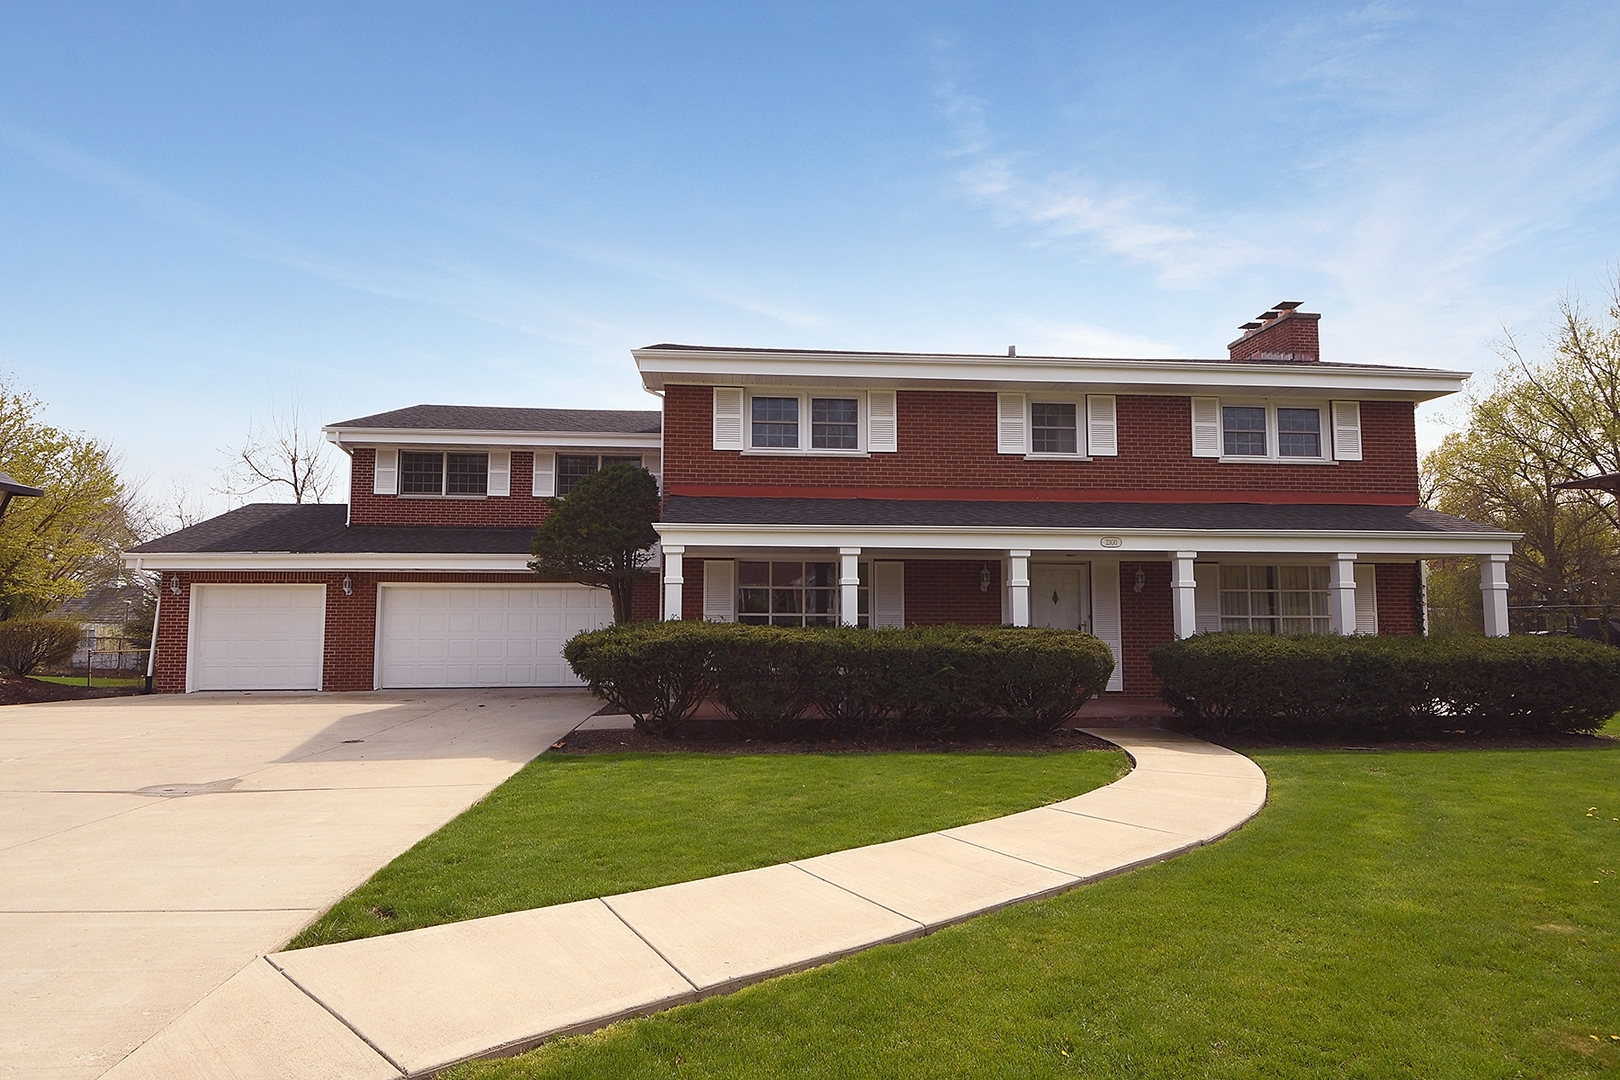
[(1267, 316), (1287, 305), (1250, 326)]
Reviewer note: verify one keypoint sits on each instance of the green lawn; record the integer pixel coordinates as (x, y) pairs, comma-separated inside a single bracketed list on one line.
[(569, 828), (1425, 915), (78, 680)]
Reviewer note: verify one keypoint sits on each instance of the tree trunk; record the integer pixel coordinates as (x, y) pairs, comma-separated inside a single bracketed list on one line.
[(623, 591)]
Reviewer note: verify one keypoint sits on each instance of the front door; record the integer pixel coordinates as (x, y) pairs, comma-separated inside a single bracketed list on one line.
[(1057, 597)]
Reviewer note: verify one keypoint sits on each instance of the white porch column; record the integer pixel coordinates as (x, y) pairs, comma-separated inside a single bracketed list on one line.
[(849, 586), (1184, 611), (1342, 595), (1493, 583), (1018, 583), (673, 581)]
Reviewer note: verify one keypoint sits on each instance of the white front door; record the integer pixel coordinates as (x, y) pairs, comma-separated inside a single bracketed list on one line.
[(482, 635), (256, 637), (1058, 597)]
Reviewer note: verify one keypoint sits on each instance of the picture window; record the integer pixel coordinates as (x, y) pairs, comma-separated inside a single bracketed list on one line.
[(1275, 599), (794, 593)]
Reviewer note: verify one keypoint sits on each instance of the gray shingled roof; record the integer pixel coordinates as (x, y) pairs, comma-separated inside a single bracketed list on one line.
[(705, 510), (494, 418), (320, 529)]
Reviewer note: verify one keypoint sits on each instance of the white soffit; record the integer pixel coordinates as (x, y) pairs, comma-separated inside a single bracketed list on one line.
[(660, 367)]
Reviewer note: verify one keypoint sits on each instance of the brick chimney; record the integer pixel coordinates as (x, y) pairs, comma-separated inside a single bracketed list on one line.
[(1284, 334)]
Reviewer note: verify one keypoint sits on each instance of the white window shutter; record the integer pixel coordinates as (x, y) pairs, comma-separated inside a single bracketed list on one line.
[(500, 472), (385, 480), (1347, 431), (1010, 436), (1105, 621), (882, 422), (545, 474), (888, 594), (653, 461), (1366, 598), (719, 590), (1206, 427), (728, 418), (1102, 426), (1206, 597)]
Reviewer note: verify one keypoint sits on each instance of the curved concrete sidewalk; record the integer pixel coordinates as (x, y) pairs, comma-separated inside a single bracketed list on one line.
[(412, 1003)]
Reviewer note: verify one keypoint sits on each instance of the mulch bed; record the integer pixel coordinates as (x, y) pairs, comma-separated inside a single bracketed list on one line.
[(28, 691), (720, 742)]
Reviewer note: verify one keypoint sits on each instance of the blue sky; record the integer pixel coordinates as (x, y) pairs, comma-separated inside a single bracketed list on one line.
[(208, 210)]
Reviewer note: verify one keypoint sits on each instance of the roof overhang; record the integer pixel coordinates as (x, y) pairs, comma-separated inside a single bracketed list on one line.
[(317, 561), (1091, 543), (732, 367), (347, 438)]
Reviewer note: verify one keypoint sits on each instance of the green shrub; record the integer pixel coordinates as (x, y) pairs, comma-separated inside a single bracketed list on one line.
[(1326, 684), (775, 682), (26, 645)]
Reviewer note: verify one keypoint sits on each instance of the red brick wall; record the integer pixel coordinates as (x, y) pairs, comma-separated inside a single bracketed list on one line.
[(520, 508), (1295, 334), (1397, 598), (948, 441), (1147, 622), (351, 621), (939, 592)]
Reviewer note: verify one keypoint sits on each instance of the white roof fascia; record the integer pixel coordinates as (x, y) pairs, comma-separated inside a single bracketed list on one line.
[(719, 367), (285, 560), (604, 440), (1416, 545)]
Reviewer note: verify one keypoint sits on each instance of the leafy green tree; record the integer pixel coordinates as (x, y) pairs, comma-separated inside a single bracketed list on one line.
[(601, 533), (54, 547), (1541, 423)]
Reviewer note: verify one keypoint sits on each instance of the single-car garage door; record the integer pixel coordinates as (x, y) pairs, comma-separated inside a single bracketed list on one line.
[(482, 635), (256, 637)]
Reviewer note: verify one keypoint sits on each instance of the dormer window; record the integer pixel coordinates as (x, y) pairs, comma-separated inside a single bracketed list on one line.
[(432, 472)]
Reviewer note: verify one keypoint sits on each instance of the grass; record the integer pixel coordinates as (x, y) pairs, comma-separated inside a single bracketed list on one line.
[(78, 680), (569, 828), (1434, 915)]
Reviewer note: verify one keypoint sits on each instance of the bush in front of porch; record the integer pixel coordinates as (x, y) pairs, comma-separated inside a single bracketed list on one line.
[(1388, 687), (774, 682)]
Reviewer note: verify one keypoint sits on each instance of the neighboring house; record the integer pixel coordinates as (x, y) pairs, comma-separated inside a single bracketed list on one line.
[(106, 612), (420, 581), (1137, 499)]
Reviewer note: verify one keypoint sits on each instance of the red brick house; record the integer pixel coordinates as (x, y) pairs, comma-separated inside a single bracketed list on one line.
[(1137, 499)]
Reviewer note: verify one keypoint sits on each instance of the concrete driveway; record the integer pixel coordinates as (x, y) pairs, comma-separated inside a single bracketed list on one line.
[(150, 847)]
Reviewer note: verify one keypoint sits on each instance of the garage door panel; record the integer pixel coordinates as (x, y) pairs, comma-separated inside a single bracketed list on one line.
[(257, 637), (491, 636)]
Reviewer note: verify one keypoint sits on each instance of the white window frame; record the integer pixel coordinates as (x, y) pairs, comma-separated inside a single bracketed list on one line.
[(1324, 439), (803, 395), (863, 593), (444, 471), (1081, 428)]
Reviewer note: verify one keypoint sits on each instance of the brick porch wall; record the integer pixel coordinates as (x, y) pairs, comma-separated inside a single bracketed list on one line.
[(1146, 621), (940, 592), (349, 653), (1398, 598)]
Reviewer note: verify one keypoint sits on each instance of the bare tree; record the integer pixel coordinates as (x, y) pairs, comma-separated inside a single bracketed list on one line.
[(283, 457)]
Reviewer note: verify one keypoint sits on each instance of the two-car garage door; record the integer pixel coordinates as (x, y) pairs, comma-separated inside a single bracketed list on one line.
[(272, 637), (483, 635)]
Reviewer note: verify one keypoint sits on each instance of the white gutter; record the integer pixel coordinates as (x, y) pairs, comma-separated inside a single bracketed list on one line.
[(316, 561), (599, 440)]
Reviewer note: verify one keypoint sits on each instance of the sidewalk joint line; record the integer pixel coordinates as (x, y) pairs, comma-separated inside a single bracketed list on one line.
[(656, 950), (857, 895), (1116, 821), (1010, 855), (338, 1017)]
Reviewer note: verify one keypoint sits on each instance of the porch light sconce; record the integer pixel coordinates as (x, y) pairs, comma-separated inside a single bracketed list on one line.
[(348, 585), (984, 578), (1141, 579), (174, 584)]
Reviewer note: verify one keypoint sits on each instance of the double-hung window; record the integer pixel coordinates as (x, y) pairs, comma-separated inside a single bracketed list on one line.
[(778, 423), (1299, 432), (434, 472), (1272, 432), (572, 468), (793, 593), (1053, 427)]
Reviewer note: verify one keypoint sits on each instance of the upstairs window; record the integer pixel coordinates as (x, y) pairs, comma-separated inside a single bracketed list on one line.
[(1243, 431), (1299, 433), (432, 472), (776, 423), (1053, 428), (572, 468), (835, 424)]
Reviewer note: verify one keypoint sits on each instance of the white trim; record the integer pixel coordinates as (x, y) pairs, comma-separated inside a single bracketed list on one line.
[(388, 561), (661, 367), (191, 623), (605, 441)]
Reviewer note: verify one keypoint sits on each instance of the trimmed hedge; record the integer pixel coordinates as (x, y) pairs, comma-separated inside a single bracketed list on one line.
[(776, 682), (1331, 685), (26, 645)]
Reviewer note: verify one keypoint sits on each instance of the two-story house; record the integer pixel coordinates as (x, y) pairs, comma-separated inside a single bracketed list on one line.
[(1139, 499)]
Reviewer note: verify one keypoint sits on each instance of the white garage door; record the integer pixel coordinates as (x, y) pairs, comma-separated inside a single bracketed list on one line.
[(256, 637), (483, 635)]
